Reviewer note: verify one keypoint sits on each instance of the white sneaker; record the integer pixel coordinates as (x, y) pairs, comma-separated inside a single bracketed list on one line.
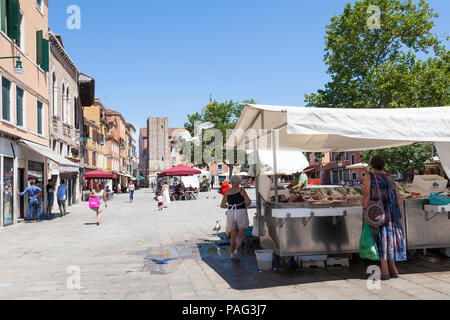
[(235, 255)]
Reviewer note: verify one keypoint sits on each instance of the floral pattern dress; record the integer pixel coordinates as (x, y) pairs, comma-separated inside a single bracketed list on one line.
[(389, 239)]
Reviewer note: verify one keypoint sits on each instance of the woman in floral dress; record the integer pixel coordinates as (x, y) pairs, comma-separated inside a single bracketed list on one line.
[(389, 239)]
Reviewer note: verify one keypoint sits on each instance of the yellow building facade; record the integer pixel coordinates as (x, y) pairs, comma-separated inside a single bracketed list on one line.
[(95, 128)]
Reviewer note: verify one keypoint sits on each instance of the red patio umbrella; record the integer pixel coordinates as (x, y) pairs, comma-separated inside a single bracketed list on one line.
[(180, 171), (99, 174)]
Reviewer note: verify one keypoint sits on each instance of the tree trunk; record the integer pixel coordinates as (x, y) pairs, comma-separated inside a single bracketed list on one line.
[(230, 168)]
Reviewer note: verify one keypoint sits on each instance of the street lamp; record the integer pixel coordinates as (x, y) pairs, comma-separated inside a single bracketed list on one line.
[(18, 69)]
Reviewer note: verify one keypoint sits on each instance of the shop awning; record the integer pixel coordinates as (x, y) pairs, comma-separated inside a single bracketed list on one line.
[(99, 174), (139, 178), (65, 165), (358, 166), (336, 130), (180, 170)]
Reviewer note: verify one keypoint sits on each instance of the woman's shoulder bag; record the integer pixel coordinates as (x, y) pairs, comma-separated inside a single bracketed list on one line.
[(375, 214)]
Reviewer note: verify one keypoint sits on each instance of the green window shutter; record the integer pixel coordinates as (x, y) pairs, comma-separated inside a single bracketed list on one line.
[(6, 101), (3, 15), (39, 42), (19, 107), (14, 20), (45, 55)]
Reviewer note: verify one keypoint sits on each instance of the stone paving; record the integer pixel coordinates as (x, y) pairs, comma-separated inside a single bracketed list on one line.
[(141, 253)]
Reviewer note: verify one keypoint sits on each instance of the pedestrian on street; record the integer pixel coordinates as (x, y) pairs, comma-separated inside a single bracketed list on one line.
[(389, 238), (131, 189), (50, 197), (119, 188), (160, 200), (236, 200), (212, 182), (61, 194), (34, 196), (166, 194), (99, 193)]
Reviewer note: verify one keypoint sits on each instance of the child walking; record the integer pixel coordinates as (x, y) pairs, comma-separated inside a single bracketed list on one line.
[(160, 200)]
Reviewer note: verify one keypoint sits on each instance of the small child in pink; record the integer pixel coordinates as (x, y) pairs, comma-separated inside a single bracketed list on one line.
[(160, 201)]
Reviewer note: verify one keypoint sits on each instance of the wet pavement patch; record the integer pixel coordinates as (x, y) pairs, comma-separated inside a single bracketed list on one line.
[(165, 259)]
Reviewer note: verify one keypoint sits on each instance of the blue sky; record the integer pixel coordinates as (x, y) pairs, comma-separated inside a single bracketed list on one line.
[(164, 58)]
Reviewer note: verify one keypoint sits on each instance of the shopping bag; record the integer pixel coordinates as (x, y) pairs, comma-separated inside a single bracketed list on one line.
[(94, 203), (367, 248)]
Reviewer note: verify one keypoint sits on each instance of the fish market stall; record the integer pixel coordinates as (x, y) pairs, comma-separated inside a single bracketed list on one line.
[(328, 219), (427, 219)]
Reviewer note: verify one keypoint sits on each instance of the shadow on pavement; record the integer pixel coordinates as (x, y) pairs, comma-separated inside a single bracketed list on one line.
[(244, 274)]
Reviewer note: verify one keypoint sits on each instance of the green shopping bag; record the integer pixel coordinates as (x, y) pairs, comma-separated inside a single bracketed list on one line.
[(367, 249)]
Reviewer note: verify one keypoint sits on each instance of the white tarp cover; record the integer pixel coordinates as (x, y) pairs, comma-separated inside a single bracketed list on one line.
[(443, 149), (333, 130), (64, 163), (191, 181), (288, 162)]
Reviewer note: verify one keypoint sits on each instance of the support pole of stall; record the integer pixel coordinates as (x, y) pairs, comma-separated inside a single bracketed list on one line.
[(275, 167), (256, 164)]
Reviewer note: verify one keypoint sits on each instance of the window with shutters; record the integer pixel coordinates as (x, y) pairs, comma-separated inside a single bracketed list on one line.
[(42, 51), (11, 19), (19, 106), (21, 41), (39, 118), (6, 99), (86, 156)]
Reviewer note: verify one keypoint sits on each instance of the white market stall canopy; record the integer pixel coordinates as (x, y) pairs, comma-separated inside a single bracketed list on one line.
[(288, 162), (335, 130)]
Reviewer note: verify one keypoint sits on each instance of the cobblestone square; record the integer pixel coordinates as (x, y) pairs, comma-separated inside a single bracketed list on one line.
[(140, 253)]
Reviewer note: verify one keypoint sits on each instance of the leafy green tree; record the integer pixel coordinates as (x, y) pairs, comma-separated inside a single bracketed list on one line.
[(380, 68), (225, 116)]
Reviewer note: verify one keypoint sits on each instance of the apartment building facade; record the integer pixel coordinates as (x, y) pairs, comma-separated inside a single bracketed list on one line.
[(24, 102), (118, 130), (331, 167), (65, 113), (113, 150), (95, 129), (132, 160)]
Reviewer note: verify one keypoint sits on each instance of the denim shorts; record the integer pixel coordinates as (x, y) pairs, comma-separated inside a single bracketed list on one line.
[(51, 199)]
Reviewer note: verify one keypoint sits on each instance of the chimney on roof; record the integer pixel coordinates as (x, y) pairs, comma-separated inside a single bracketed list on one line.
[(58, 36)]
